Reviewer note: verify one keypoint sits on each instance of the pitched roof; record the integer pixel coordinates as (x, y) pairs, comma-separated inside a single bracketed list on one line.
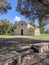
[(32, 27)]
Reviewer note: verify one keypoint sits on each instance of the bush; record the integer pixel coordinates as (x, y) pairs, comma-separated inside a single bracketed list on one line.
[(9, 33)]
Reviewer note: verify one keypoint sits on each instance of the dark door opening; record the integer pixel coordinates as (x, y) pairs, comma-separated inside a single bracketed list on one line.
[(21, 31)]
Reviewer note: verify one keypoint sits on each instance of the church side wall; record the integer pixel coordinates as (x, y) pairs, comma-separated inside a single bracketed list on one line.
[(37, 32)]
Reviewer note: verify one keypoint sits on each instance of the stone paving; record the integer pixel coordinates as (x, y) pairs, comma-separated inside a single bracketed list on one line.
[(19, 49)]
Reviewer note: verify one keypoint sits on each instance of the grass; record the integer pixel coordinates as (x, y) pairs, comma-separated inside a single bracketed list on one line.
[(41, 36), (5, 36)]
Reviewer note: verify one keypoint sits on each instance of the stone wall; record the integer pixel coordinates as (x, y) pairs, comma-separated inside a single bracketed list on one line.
[(43, 49), (37, 31), (27, 29), (21, 26)]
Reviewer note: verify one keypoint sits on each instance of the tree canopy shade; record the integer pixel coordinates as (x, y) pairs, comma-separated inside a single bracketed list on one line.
[(33, 9), (4, 6)]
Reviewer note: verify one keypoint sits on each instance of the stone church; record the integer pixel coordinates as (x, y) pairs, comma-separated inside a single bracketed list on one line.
[(24, 28)]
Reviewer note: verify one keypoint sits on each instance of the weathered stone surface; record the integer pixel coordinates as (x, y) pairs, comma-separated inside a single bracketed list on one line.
[(21, 53)]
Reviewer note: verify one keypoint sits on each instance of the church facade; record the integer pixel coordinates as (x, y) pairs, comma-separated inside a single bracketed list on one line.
[(23, 28)]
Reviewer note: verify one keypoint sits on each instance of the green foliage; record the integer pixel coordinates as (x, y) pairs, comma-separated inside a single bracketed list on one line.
[(47, 31), (6, 27), (4, 6), (33, 24), (42, 24), (15, 25), (9, 33), (44, 2), (33, 9)]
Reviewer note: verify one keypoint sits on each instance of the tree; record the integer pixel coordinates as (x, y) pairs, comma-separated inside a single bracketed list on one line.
[(47, 31), (4, 6), (5, 27), (15, 25), (33, 9), (33, 24), (42, 24)]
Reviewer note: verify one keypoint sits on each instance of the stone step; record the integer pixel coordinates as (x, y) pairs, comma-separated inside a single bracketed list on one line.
[(24, 53), (22, 48)]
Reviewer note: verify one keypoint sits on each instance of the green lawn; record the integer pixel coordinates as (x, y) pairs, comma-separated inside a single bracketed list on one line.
[(5, 36), (41, 36)]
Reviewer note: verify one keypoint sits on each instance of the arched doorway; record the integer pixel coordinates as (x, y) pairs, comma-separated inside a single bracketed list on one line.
[(21, 31)]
